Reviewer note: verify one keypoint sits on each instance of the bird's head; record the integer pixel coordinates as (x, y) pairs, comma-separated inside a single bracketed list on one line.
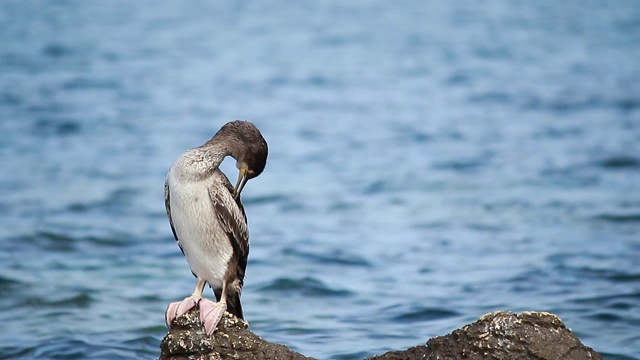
[(247, 146)]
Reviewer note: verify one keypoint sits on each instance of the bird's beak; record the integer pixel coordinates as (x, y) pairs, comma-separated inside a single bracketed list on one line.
[(242, 180)]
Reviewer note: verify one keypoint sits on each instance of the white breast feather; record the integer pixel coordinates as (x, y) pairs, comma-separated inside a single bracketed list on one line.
[(200, 236)]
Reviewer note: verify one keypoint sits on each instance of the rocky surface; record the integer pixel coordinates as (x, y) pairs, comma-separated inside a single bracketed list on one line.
[(503, 335), (499, 335), (231, 340)]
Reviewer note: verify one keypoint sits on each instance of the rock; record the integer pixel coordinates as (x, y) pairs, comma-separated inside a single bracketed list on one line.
[(503, 335), (231, 340), (499, 335)]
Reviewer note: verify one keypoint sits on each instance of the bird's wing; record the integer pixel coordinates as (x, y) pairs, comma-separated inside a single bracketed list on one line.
[(234, 223), (230, 214), (167, 206)]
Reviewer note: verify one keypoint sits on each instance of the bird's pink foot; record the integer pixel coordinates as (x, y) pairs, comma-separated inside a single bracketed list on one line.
[(210, 314), (175, 309)]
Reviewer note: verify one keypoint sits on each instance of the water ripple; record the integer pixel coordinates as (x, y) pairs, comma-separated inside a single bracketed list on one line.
[(82, 300), (619, 217), (63, 349), (620, 162), (8, 285), (306, 286), (59, 241), (48, 240), (425, 314), (57, 50), (335, 257), (82, 83), (51, 126), (607, 300)]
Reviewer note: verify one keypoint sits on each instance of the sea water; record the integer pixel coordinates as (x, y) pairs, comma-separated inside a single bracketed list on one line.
[(429, 162)]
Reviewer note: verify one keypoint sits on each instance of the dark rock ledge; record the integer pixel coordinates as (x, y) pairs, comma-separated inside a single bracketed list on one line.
[(499, 335)]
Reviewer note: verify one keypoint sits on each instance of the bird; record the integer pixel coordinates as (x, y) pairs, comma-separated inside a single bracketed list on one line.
[(208, 220)]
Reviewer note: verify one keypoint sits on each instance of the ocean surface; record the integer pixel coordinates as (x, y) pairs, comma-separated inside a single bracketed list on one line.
[(429, 162)]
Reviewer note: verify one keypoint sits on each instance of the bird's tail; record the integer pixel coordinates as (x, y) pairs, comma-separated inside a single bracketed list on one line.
[(233, 302)]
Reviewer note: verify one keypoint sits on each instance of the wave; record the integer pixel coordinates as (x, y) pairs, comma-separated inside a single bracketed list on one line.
[(306, 286)]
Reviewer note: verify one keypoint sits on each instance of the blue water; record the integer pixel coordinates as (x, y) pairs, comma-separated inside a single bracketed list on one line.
[(429, 162)]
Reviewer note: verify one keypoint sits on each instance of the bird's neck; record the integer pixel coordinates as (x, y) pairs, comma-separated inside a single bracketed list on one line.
[(202, 161)]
